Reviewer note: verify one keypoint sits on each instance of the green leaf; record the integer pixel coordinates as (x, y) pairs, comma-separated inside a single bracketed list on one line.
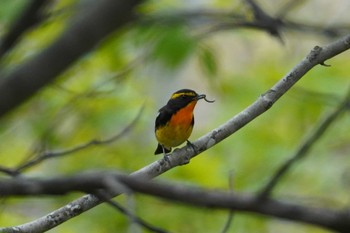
[(207, 61), (173, 46)]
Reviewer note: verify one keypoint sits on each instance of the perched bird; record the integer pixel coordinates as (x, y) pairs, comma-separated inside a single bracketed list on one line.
[(175, 120)]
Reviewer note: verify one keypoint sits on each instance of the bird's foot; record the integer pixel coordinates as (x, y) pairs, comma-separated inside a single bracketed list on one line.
[(194, 148), (166, 158)]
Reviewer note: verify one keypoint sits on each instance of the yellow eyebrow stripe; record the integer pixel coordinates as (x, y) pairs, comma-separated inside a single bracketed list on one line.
[(174, 96)]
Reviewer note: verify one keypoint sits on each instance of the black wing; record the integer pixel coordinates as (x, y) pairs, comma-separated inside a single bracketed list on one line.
[(163, 117)]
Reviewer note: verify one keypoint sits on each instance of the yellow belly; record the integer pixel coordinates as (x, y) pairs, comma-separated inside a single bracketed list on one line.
[(178, 129), (173, 135)]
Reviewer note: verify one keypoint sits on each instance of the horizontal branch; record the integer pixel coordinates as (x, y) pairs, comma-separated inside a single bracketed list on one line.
[(182, 156), (210, 21), (337, 220)]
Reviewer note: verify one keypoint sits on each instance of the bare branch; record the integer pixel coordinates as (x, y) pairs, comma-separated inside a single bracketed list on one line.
[(337, 220), (105, 198), (262, 104), (208, 22), (306, 146), (288, 7), (94, 142), (231, 213), (8, 171), (53, 154), (90, 26), (270, 24), (183, 155), (30, 17)]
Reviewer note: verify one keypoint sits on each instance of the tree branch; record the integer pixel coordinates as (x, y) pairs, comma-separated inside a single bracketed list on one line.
[(90, 26), (134, 218), (59, 153), (231, 213), (209, 21), (182, 156), (31, 16), (94, 142), (306, 146), (338, 220), (263, 20)]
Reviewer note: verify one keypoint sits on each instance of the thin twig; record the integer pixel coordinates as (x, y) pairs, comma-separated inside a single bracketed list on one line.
[(288, 7), (39, 147), (206, 22), (93, 142), (306, 146), (231, 213), (8, 171), (105, 198), (53, 154)]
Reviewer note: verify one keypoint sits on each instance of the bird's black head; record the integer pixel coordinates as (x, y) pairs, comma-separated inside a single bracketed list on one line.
[(185, 96)]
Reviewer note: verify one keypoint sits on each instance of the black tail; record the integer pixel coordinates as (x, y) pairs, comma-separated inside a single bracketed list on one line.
[(159, 149)]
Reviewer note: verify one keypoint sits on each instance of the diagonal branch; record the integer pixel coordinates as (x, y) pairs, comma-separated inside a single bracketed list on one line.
[(89, 28), (306, 146), (317, 56), (134, 218), (29, 18)]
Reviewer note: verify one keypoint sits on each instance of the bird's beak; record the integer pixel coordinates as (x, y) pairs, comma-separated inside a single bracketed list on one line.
[(200, 97), (203, 96)]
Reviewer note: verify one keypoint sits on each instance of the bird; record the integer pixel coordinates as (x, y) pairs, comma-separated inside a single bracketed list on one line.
[(175, 120)]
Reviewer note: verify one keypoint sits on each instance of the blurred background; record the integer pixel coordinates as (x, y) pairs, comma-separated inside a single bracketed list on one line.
[(201, 45)]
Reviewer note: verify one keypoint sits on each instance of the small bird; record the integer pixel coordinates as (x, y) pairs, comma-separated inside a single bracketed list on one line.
[(175, 120)]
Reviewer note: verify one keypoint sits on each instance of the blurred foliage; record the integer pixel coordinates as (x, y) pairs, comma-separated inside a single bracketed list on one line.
[(144, 64)]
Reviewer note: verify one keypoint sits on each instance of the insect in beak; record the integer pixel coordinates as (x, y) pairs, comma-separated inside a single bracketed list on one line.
[(203, 96)]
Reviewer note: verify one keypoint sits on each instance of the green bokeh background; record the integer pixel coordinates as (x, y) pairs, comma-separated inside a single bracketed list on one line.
[(143, 65)]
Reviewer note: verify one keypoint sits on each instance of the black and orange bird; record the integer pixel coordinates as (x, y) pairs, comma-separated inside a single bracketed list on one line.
[(175, 120)]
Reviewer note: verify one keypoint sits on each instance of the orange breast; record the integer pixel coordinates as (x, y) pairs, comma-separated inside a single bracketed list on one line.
[(178, 129)]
